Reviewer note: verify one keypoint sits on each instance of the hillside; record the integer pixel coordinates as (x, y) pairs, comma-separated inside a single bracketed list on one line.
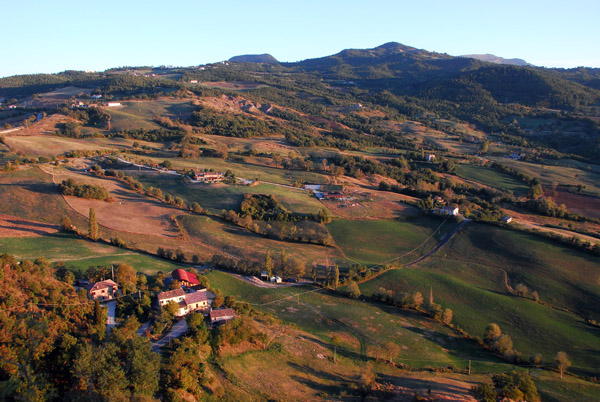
[(490, 58), (401, 200), (254, 58)]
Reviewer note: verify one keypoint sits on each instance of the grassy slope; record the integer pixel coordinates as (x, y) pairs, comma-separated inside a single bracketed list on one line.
[(490, 177), (558, 174), (373, 242), (80, 254), (363, 325), (469, 268)]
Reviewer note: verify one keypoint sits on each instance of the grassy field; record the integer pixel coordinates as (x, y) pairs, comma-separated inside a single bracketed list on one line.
[(470, 267), (558, 174), (374, 242), (423, 342), (216, 197), (490, 177), (136, 115), (79, 254)]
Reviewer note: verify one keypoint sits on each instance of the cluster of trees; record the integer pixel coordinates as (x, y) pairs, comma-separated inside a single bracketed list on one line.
[(499, 343), (516, 386), (88, 191), (67, 354), (283, 266), (175, 255), (264, 207), (234, 125)]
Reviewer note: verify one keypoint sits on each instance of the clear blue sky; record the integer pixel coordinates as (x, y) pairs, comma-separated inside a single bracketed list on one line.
[(52, 36)]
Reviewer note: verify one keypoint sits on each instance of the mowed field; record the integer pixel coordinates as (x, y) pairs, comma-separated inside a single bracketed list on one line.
[(378, 242), (127, 212), (492, 178), (471, 268)]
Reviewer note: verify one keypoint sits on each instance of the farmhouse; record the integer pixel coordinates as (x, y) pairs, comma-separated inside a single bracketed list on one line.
[(506, 219), (207, 177), (187, 302), (186, 278), (447, 210), (430, 158), (333, 195), (113, 104), (103, 290), (96, 96), (221, 315)]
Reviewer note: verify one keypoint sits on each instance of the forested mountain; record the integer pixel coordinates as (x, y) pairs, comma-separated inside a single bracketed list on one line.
[(254, 58), (490, 58)]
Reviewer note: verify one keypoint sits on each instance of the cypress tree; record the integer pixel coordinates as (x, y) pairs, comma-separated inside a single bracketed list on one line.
[(93, 231)]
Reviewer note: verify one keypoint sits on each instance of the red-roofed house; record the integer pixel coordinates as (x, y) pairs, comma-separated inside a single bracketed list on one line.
[(186, 278), (103, 291), (221, 315)]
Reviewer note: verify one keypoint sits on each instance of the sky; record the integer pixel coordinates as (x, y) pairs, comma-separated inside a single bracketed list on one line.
[(43, 36)]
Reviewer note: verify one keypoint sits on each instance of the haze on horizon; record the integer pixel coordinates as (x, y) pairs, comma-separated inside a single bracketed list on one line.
[(49, 37)]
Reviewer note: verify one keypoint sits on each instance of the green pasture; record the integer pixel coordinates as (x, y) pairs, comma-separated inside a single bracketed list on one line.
[(423, 342), (375, 242), (79, 254), (490, 177), (467, 275)]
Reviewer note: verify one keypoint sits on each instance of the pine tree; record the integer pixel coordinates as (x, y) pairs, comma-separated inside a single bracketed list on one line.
[(93, 231)]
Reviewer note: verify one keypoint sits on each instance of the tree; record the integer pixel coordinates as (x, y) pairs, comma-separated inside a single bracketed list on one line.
[(562, 362), (269, 264), (93, 229), (66, 223), (447, 317), (491, 333), (417, 300), (284, 263), (354, 290), (336, 277), (126, 278), (314, 273), (179, 255), (335, 342), (392, 351), (297, 267)]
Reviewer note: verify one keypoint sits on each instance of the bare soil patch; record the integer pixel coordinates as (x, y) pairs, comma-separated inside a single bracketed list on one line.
[(580, 204)]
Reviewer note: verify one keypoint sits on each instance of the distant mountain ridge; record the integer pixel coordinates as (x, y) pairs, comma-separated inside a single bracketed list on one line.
[(254, 58), (490, 58)]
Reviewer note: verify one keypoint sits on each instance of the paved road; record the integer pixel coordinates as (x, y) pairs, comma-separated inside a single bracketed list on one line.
[(110, 319), (178, 329)]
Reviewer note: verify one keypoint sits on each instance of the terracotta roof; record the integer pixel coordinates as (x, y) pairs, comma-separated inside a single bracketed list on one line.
[(196, 297), (171, 294), (181, 275), (221, 313), (103, 284)]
